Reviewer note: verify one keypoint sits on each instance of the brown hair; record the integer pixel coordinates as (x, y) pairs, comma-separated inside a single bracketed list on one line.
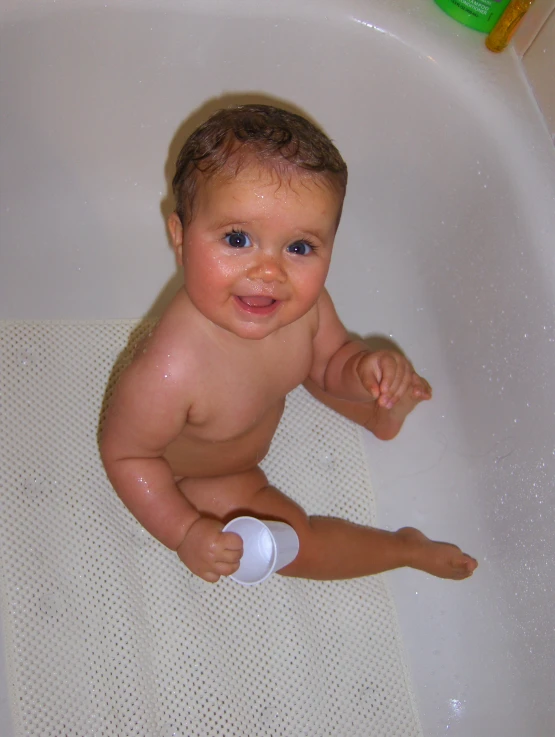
[(274, 136)]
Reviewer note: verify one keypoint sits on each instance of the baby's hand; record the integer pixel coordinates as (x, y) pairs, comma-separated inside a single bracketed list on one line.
[(208, 552), (388, 376)]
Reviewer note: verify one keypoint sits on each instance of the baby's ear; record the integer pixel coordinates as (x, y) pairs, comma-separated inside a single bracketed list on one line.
[(176, 234)]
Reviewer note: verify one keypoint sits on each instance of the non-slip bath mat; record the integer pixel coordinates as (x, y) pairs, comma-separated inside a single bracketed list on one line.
[(107, 633)]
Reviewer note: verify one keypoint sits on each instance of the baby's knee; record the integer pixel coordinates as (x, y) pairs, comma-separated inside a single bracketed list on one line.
[(270, 503), (311, 550)]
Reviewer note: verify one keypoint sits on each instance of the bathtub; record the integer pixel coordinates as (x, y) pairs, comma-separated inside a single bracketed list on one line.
[(447, 247)]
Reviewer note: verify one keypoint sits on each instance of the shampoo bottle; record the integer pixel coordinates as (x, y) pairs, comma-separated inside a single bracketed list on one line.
[(482, 15)]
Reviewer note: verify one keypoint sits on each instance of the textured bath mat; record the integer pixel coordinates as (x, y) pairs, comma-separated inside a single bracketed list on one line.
[(108, 633)]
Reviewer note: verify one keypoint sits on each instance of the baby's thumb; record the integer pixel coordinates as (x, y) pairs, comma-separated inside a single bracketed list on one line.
[(371, 375)]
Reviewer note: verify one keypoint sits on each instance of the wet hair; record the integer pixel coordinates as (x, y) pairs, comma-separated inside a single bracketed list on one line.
[(275, 138)]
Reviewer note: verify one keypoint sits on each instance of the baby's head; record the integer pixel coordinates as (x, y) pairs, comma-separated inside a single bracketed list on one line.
[(259, 193), (284, 143)]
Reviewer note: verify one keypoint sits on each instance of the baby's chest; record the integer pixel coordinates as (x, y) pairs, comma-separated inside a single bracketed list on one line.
[(250, 393)]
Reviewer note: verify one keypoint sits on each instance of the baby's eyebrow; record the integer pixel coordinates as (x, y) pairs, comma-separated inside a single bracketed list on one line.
[(227, 221), (317, 234)]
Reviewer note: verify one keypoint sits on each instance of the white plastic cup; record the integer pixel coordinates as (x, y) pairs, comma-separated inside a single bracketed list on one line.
[(268, 546)]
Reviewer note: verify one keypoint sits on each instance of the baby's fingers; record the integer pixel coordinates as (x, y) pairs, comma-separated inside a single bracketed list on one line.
[(224, 566), (402, 383), (227, 563), (229, 548), (210, 576), (392, 377), (231, 541), (371, 383), (388, 366), (229, 556), (229, 559), (227, 569)]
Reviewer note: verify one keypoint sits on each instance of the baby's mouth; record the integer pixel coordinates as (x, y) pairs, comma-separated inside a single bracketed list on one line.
[(257, 301), (257, 305)]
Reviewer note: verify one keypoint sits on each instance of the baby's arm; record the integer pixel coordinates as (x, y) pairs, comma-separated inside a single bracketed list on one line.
[(147, 412), (361, 384)]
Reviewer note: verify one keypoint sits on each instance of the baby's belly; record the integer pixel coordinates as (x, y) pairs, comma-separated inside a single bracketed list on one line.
[(190, 456)]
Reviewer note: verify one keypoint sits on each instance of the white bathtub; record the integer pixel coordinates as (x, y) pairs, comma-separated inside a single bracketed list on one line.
[(447, 244)]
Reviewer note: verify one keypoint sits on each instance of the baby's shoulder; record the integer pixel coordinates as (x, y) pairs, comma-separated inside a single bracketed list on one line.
[(167, 349)]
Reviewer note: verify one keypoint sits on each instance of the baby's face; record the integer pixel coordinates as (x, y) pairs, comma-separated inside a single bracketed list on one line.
[(257, 252)]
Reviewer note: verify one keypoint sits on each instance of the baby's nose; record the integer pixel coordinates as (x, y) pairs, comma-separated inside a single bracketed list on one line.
[(267, 269)]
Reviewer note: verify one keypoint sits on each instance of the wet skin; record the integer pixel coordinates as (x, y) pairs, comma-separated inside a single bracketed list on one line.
[(196, 411)]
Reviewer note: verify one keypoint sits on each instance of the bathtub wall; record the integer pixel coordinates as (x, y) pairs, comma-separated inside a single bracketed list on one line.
[(531, 24), (537, 48)]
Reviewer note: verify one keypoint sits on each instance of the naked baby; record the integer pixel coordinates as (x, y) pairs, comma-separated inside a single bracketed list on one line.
[(259, 193)]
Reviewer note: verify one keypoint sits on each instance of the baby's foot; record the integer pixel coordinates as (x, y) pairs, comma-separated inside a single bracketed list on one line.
[(386, 422), (439, 559)]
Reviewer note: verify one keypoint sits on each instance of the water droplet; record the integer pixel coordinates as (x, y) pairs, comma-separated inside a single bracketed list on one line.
[(141, 537), (457, 707)]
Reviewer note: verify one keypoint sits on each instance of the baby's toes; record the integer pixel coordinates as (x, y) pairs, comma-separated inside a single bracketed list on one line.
[(470, 563), (421, 389), (464, 566)]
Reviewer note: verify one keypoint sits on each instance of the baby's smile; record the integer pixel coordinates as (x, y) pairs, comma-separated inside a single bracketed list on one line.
[(257, 305)]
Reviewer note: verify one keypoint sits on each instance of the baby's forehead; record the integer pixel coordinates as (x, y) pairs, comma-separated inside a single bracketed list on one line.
[(280, 177)]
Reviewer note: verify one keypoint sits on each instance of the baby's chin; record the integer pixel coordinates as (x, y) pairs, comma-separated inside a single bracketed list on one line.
[(256, 329), (251, 331)]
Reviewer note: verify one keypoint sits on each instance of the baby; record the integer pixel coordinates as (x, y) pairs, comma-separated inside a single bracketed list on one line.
[(259, 193)]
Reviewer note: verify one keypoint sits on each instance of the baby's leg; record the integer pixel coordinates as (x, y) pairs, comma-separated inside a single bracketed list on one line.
[(330, 548), (333, 548)]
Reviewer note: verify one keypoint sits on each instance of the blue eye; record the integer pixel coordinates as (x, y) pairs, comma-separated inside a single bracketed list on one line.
[(238, 239), (301, 248)]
